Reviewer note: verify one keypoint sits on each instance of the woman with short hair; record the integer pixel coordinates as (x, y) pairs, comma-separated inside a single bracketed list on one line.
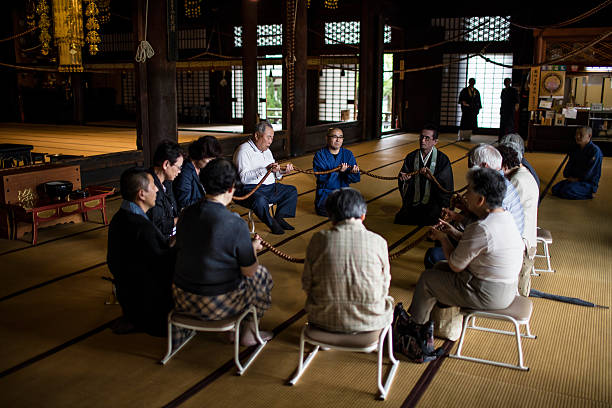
[(187, 187)]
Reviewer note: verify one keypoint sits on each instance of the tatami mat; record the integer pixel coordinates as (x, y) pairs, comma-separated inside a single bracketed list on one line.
[(570, 360)]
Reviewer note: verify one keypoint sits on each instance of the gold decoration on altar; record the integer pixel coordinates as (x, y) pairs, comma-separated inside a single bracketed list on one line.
[(104, 8), (93, 38), (42, 9), (26, 198), (331, 4), (68, 22), (30, 14), (193, 8)]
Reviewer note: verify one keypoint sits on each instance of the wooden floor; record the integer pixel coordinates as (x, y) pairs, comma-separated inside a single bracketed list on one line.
[(107, 137), (57, 351)]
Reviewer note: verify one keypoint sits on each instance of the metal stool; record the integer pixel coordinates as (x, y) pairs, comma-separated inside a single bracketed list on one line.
[(364, 342), (544, 238), (518, 313), (232, 323)]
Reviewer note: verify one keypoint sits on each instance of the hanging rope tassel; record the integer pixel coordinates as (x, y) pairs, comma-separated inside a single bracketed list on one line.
[(144, 49)]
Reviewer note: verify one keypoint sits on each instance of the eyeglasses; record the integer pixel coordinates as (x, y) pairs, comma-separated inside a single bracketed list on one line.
[(423, 137), (336, 137)]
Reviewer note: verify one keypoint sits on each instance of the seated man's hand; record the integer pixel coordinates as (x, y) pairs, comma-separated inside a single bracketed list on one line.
[(288, 168), (448, 229), (355, 169), (452, 216), (275, 167), (343, 167), (256, 241), (436, 234), (404, 176)]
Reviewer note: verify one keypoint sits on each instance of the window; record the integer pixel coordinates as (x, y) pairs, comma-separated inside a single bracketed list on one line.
[(495, 28), (192, 95), (237, 108), (338, 90), (348, 32), (269, 92), (387, 96), (128, 91), (489, 82), (269, 34)]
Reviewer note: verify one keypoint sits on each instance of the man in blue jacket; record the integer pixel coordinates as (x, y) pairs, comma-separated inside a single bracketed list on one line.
[(327, 158), (583, 169)]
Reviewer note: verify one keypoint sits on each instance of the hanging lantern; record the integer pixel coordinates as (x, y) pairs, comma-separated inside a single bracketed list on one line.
[(44, 23), (93, 38), (331, 4), (68, 22)]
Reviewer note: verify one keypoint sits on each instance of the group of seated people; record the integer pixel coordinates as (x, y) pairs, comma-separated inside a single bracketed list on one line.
[(174, 244)]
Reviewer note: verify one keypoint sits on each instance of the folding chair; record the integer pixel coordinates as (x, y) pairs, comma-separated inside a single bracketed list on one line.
[(518, 313), (364, 342), (232, 323)]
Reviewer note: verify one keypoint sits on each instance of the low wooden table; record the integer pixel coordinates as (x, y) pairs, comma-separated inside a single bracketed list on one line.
[(45, 210)]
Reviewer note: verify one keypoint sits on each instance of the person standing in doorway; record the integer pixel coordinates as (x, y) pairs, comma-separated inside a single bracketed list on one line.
[(509, 106), (469, 99)]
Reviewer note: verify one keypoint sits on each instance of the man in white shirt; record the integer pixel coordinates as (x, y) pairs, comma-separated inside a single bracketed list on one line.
[(253, 159), (528, 191)]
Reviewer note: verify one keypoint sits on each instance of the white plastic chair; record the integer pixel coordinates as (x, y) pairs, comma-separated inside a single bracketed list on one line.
[(518, 313), (233, 323), (365, 342)]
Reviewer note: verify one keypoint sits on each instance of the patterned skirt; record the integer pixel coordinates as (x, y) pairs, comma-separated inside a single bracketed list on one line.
[(251, 291)]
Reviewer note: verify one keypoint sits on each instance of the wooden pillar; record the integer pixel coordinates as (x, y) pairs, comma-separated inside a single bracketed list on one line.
[(78, 98), (249, 65), (140, 76), (370, 69), (298, 116), (156, 78)]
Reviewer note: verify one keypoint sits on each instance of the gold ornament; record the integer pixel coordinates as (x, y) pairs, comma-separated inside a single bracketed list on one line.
[(42, 9), (331, 4), (26, 198), (104, 7), (68, 24), (93, 38), (193, 8)]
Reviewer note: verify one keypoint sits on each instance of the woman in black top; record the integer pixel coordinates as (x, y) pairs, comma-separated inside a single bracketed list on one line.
[(217, 274)]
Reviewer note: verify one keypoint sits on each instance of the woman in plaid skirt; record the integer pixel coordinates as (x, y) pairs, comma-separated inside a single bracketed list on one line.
[(217, 274)]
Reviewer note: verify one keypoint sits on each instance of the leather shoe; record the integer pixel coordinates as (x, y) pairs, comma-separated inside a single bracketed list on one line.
[(284, 224), (276, 229)]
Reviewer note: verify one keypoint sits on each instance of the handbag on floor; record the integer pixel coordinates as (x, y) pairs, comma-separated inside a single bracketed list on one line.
[(415, 341), (448, 322)]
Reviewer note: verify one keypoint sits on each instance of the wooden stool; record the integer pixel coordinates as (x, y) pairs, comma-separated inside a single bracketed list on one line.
[(518, 313), (364, 342), (233, 323)]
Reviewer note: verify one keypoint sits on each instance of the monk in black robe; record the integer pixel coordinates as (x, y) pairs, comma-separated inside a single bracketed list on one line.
[(469, 99), (422, 199)]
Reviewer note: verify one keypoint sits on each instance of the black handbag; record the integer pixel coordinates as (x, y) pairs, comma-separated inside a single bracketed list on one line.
[(415, 341)]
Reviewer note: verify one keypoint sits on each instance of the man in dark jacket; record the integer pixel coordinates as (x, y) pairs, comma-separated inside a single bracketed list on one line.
[(167, 163), (139, 257)]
